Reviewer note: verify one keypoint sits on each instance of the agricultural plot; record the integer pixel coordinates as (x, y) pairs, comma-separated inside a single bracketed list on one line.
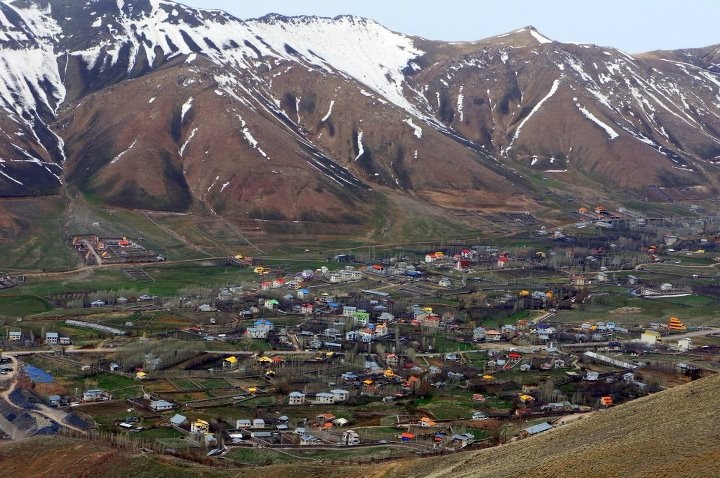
[(138, 274)]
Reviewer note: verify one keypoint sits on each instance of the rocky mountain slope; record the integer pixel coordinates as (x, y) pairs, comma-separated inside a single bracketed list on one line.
[(149, 104)]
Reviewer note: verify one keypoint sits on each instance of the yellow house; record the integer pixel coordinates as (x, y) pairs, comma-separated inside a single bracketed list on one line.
[(141, 375), (650, 337), (199, 426), (389, 373), (230, 362), (265, 359)]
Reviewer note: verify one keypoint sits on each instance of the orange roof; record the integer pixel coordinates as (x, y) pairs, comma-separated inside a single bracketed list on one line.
[(327, 416)]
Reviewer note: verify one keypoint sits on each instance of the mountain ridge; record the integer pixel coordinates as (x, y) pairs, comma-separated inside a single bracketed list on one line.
[(315, 117)]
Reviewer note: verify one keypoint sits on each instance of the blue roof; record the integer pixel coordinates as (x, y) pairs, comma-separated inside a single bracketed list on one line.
[(304, 291), (263, 322)]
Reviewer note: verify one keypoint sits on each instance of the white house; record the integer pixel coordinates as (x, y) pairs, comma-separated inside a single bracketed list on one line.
[(97, 303), (257, 332), (349, 311), (15, 336), (258, 423), (296, 398), (350, 438), (340, 395), (161, 405), (52, 338), (335, 277), (243, 423), (324, 398), (684, 344), (386, 317)]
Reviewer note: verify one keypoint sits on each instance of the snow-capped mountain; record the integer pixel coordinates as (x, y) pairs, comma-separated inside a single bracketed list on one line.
[(152, 104)]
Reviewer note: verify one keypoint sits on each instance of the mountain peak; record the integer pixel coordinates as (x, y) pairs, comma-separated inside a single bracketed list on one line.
[(537, 36)]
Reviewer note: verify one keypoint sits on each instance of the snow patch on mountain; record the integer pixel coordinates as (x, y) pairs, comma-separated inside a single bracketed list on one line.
[(119, 156), (185, 109), (460, 103), (360, 48), (417, 130), (190, 138), (329, 112), (361, 149), (610, 132)]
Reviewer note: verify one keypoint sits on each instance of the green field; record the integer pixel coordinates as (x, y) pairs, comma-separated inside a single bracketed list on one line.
[(22, 305), (692, 310)]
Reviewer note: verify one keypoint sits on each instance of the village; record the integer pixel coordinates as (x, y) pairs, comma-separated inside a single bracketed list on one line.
[(400, 353)]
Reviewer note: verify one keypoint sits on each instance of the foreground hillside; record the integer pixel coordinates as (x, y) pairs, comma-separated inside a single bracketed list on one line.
[(670, 434)]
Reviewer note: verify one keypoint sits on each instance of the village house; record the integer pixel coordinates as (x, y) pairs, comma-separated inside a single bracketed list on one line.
[(462, 440), (350, 438), (650, 337), (386, 317), (303, 294), (435, 256), (335, 277), (52, 338), (260, 329), (271, 304), (493, 336), (199, 426), (361, 318), (431, 320), (161, 405), (230, 362), (324, 398), (243, 423), (340, 395), (97, 303), (65, 341), (348, 311), (392, 360), (15, 336), (307, 309), (258, 423), (96, 395), (296, 398), (536, 429), (479, 333), (178, 420)]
